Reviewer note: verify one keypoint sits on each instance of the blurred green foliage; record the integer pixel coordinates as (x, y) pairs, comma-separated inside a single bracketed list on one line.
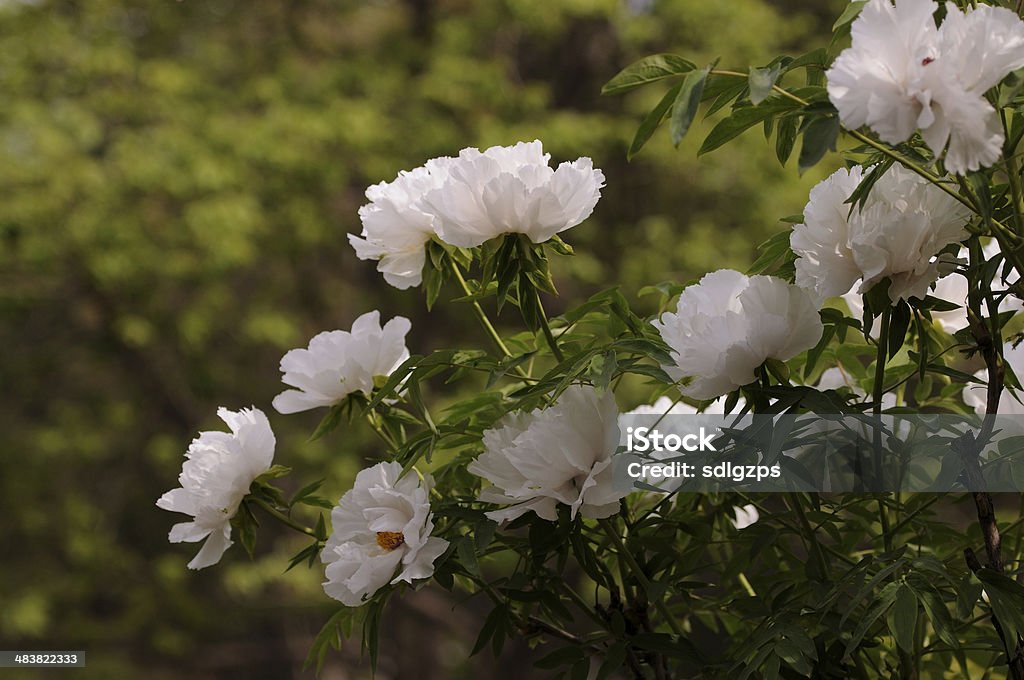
[(176, 183)]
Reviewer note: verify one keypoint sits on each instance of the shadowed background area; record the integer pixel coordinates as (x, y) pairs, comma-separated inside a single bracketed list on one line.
[(177, 180)]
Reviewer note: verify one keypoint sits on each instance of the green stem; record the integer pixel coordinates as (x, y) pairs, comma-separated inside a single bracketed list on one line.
[(546, 327), (640, 576), (283, 518), (481, 316), (1013, 174), (876, 395), (384, 436)]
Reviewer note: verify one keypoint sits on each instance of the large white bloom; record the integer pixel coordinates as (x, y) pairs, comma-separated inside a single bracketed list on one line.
[(216, 476), (379, 527), (903, 224), (396, 225), (512, 189), (729, 324), (902, 73), (561, 454), (338, 363)]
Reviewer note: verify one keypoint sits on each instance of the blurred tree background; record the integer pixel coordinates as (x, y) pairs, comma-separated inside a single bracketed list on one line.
[(177, 180)]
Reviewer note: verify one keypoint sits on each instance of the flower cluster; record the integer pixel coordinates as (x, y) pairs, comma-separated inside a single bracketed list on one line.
[(468, 200), (903, 73), (896, 234)]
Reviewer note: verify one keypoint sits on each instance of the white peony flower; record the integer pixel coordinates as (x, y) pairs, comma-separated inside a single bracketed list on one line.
[(903, 224), (396, 225), (902, 73), (512, 189), (216, 477), (561, 454), (379, 527), (729, 324), (745, 516), (338, 363)]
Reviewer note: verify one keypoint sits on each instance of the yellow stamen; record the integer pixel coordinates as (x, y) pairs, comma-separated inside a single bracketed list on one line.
[(389, 540)]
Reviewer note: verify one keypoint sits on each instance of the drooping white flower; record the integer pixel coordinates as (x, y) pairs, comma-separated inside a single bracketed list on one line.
[(561, 454), (216, 476), (379, 527), (729, 324), (897, 234), (512, 189), (396, 224), (745, 516), (338, 363), (902, 73)]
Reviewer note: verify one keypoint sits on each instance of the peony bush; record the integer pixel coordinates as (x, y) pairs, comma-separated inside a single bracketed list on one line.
[(897, 290)]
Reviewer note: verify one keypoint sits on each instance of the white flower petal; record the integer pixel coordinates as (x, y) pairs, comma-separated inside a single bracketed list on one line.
[(512, 190), (558, 455), (902, 73), (729, 324), (898, 232), (358, 562), (338, 363), (216, 476)]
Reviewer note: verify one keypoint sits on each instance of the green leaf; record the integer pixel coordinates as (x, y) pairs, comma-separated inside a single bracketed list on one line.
[(329, 636), (785, 138), (647, 70), (613, 660), (306, 491), (1006, 598), (819, 138), (938, 614), (898, 326), (772, 251), (686, 103), (885, 599), (494, 619), (761, 81), (851, 12), (564, 656), (467, 555), (902, 618), (329, 422), (815, 353), (651, 122), (741, 120), (274, 472)]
